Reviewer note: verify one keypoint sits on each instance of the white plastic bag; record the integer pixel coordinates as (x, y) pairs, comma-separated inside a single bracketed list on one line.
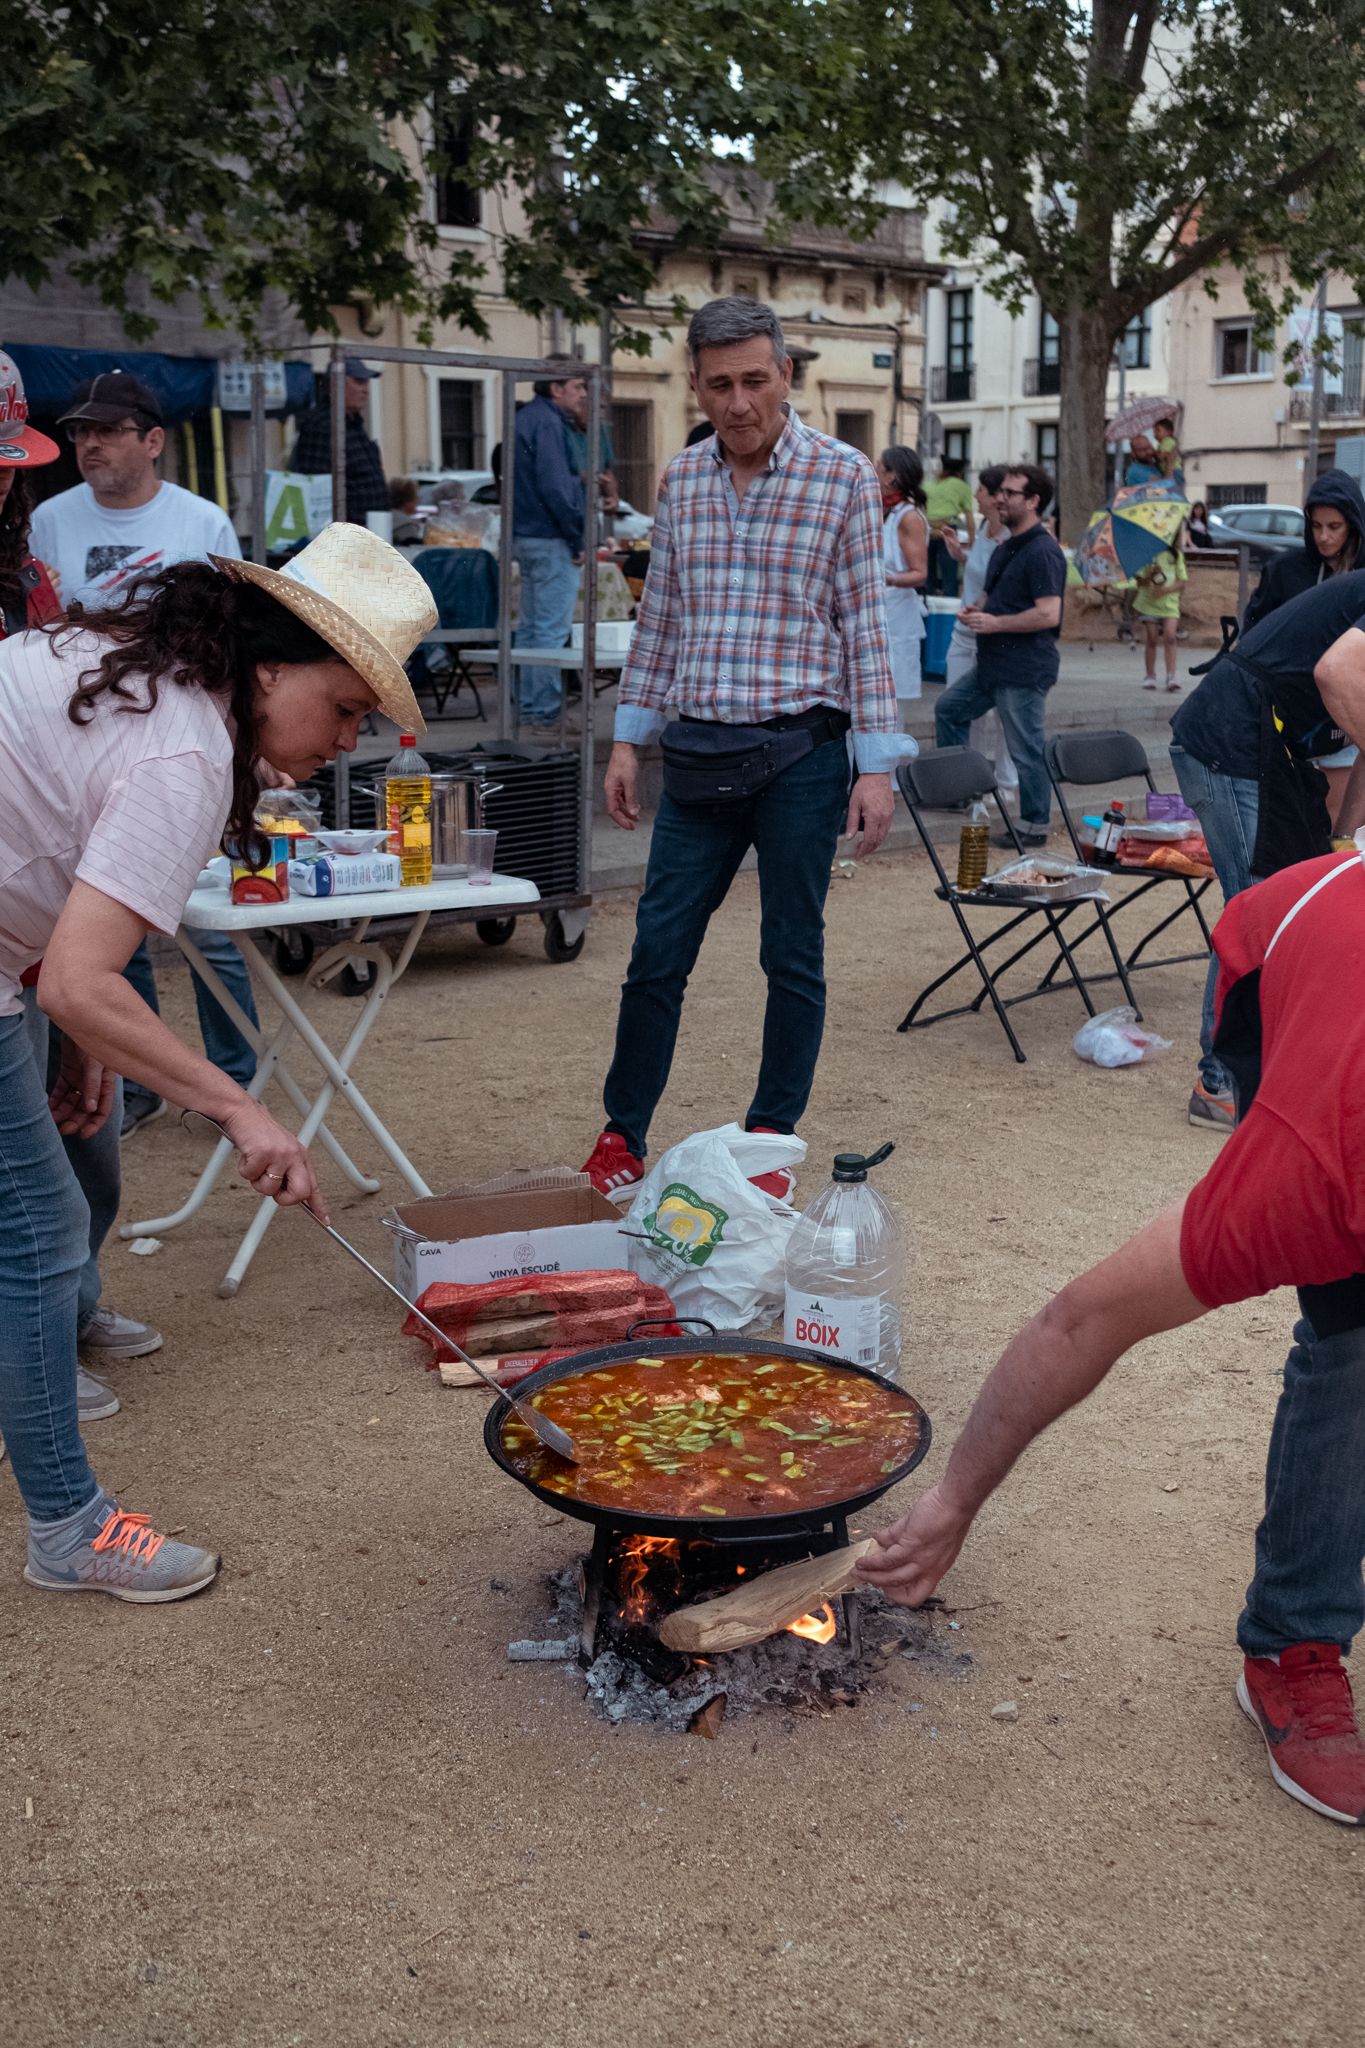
[(1116, 1039), (703, 1231)]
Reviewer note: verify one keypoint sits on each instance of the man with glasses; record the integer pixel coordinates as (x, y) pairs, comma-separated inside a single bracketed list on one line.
[(1017, 624), (97, 539), (122, 522)]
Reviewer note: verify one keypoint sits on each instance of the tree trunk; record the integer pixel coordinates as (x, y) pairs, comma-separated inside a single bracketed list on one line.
[(1087, 342)]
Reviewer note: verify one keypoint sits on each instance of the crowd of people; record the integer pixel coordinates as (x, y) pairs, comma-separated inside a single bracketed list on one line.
[(780, 626)]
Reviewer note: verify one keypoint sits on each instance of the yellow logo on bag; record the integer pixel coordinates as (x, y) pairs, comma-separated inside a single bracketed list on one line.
[(685, 1225)]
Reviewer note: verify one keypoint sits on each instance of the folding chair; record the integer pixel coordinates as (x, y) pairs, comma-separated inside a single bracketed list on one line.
[(464, 583), (1081, 760), (958, 775)]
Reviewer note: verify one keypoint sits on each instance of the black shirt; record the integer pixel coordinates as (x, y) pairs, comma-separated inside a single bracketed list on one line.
[(1022, 569), (1220, 724)]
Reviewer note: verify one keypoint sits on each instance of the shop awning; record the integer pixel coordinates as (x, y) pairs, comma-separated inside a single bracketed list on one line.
[(185, 384)]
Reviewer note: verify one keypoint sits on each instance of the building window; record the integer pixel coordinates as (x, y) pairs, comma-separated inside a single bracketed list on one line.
[(461, 424), (855, 428), (957, 445), (1046, 446), (632, 440), (959, 331), (1049, 340), (458, 203), (1235, 350), (1136, 341), (1218, 495)]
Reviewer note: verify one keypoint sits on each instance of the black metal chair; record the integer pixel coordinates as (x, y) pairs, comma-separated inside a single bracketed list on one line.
[(464, 584), (952, 776), (1085, 760)]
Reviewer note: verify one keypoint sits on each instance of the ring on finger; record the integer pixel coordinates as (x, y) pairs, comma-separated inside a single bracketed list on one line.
[(270, 1174)]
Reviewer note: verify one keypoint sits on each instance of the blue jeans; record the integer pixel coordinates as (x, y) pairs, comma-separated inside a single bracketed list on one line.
[(1227, 807), (1308, 1586), (794, 828), (96, 1162), (549, 592), (44, 1247), (1022, 714), (223, 1042)]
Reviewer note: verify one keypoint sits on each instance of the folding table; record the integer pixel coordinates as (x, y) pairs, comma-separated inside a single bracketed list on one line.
[(212, 908)]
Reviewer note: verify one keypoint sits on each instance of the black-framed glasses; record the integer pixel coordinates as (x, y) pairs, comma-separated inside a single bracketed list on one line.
[(99, 430)]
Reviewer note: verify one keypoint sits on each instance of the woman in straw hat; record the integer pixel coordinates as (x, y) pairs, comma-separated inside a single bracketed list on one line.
[(128, 743)]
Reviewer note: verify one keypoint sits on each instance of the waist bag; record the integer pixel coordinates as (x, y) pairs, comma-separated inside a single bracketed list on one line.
[(707, 763)]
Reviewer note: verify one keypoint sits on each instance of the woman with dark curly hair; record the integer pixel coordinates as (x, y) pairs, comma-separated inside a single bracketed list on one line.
[(128, 742)]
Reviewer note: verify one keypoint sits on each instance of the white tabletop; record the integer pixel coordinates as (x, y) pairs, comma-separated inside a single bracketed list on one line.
[(212, 907), (566, 657)]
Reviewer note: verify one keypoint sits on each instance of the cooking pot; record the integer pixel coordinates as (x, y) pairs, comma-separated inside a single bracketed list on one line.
[(717, 1344)]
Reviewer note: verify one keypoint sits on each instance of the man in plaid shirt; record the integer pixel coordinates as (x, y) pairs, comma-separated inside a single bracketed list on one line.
[(763, 609), (367, 488)]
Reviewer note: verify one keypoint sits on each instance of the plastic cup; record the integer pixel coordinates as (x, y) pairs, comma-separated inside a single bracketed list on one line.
[(479, 844)]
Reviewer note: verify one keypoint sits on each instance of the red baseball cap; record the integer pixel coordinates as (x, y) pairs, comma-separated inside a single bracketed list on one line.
[(21, 446)]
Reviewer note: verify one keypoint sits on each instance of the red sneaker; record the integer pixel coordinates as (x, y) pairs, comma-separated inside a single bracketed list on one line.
[(1303, 1708), (781, 1182), (612, 1167)]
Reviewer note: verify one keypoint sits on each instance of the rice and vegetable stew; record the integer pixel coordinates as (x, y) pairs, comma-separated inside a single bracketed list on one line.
[(743, 1436)]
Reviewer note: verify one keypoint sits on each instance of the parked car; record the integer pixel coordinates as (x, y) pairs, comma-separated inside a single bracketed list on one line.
[(625, 523), (1265, 529), (473, 480)]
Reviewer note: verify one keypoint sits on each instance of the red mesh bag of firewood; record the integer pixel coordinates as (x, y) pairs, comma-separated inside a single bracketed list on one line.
[(561, 1312)]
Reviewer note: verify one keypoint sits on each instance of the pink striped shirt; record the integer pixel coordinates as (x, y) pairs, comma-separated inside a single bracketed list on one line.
[(134, 805)]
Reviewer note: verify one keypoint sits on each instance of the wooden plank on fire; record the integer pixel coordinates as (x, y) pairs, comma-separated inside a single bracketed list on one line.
[(765, 1605)]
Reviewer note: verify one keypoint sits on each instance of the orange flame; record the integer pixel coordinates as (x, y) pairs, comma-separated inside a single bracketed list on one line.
[(632, 1571), (819, 1627)]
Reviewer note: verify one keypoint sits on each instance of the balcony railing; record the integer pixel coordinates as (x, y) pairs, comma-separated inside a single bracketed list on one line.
[(1041, 379), (1345, 404), (951, 387)]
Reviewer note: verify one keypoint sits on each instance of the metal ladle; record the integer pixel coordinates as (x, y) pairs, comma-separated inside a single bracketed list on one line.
[(549, 1433)]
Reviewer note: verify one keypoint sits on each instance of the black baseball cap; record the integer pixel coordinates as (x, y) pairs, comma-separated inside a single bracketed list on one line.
[(356, 368), (112, 396)]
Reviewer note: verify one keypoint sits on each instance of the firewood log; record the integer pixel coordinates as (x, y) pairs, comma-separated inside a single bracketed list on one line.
[(764, 1605)]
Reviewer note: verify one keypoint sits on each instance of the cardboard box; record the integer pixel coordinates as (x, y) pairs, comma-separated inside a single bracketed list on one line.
[(520, 1226)]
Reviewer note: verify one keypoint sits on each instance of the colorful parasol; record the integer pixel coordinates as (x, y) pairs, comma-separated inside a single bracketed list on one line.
[(1137, 525), (1140, 417)]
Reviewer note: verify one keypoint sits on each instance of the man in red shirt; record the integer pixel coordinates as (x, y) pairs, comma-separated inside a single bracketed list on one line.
[(1283, 1206)]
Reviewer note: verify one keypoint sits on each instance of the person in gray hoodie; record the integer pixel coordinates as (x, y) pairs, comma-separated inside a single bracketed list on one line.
[(1334, 541)]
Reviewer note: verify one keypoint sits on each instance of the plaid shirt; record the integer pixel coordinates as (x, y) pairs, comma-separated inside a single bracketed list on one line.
[(768, 603), (367, 488)]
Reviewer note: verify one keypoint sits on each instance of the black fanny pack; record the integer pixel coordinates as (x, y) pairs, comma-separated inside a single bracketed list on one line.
[(708, 763)]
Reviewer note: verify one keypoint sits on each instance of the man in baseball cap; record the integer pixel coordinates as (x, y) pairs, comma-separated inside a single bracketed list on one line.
[(367, 487), (113, 396)]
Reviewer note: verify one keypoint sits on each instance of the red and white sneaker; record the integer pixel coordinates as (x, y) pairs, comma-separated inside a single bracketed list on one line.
[(1303, 1708), (781, 1182), (612, 1166)]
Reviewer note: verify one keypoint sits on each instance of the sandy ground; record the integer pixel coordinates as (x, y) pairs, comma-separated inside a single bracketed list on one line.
[(317, 1804)]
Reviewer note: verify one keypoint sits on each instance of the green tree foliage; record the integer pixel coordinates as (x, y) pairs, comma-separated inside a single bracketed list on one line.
[(1103, 153), (203, 147)]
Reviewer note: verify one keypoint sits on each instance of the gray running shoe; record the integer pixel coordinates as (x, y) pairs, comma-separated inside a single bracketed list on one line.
[(94, 1400), (110, 1335), (104, 1550), (139, 1110), (1213, 1112)]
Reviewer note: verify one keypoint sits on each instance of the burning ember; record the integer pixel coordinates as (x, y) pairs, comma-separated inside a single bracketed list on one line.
[(821, 1627), (642, 1575), (609, 1607)]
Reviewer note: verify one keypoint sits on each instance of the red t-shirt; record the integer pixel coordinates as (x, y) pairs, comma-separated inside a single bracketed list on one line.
[(1285, 1203)]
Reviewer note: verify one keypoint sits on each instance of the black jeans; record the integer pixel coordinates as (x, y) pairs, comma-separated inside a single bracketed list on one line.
[(943, 571), (794, 826)]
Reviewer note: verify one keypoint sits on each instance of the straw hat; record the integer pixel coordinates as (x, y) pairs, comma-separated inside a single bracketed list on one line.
[(363, 598)]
